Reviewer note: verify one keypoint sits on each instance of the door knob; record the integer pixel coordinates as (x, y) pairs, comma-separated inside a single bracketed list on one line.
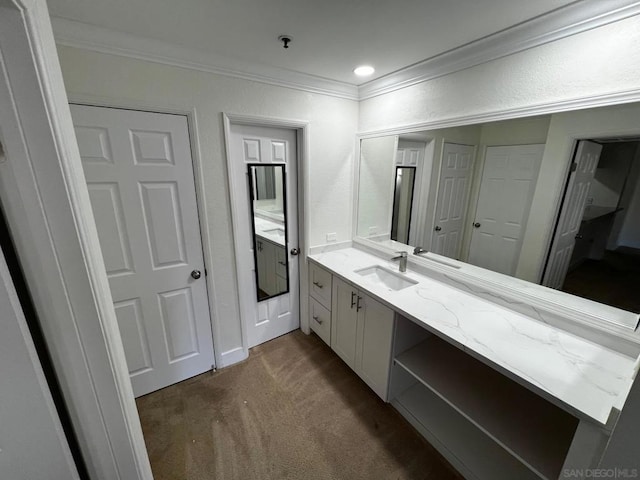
[(477, 224), (295, 251), (438, 228), (195, 274)]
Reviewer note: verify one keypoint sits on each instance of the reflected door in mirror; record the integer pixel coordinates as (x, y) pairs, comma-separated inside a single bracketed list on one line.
[(508, 182), (453, 195)]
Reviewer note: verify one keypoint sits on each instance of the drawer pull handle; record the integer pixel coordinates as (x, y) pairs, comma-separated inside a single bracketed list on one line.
[(353, 299), (358, 307), (315, 317), (317, 284)]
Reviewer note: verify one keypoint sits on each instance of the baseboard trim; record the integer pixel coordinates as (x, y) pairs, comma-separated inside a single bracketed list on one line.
[(232, 357)]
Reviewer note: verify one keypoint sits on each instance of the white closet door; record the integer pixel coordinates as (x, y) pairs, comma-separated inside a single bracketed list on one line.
[(508, 182), (139, 174), (453, 196), (586, 162), (251, 145)]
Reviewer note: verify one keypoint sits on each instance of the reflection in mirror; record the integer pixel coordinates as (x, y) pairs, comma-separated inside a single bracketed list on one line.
[(268, 204), (503, 196), (402, 200)]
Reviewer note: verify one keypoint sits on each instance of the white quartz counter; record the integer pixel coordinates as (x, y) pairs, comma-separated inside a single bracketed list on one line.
[(269, 230), (585, 378)]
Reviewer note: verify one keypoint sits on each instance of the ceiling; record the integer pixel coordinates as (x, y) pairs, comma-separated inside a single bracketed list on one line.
[(330, 37)]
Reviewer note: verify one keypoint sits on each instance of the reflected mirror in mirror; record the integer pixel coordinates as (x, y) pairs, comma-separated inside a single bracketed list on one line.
[(504, 196), (402, 201), (268, 205)]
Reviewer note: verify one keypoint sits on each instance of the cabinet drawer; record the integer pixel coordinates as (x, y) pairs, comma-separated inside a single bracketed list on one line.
[(320, 285), (320, 320)]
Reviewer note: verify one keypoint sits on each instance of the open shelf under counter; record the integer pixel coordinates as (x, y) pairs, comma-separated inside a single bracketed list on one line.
[(458, 440), (530, 428)]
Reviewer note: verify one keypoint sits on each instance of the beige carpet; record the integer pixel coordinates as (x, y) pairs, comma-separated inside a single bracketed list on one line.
[(293, 410)]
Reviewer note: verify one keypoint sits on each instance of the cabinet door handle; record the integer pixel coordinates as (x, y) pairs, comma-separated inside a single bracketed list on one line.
[(318, 284), (358, 307), (315, 317), (353, 297), (282, 263)]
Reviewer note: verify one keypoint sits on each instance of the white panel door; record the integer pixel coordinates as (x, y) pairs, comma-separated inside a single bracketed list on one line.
[(411, 154), (275, 316), (586, 162), (452, 199), (33, 444), (139, 174), (508, 181)]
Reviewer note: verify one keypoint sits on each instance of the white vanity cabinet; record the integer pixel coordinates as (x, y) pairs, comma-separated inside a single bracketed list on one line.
[(271, 265), (320, 302), (361, 334)]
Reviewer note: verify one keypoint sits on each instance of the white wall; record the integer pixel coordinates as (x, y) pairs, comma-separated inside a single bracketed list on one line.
[(611, 174), (629, 235), (118, 81), (375, 186)]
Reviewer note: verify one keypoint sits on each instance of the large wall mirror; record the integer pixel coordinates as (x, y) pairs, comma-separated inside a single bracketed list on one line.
[(552, 199), (268, 207)]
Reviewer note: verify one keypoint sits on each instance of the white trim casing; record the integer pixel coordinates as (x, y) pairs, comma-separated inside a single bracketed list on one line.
[(302, 128), (47, 206)]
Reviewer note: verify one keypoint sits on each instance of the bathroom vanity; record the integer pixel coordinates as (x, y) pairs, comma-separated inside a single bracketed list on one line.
[(504, 381)]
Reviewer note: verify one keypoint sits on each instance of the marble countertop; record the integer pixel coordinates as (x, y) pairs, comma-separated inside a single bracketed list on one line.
[(269, 230), (582, 376)]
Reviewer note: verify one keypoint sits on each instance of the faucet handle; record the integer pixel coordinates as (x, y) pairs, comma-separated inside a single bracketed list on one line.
[(419, 250), (403, 254)]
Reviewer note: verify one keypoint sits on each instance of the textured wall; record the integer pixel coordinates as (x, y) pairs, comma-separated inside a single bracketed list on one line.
[(599, 61), (122, 81)]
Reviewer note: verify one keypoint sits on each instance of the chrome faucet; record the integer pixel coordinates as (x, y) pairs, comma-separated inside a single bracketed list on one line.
[(419, 250), (403, 261)]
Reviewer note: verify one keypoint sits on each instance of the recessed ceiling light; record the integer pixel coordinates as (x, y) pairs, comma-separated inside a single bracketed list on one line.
[(364, 70)]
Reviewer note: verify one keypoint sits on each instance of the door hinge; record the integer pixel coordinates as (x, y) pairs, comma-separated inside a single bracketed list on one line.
[(574, 167)]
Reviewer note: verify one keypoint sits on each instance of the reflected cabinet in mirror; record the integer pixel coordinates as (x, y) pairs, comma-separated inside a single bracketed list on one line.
[(552, 199), (268, 204)]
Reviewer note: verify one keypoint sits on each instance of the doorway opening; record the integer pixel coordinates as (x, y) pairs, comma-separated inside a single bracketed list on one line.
[(600, 220)]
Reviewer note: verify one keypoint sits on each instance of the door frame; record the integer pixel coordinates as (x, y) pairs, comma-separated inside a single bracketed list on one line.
[(301, 128), (46, 203)]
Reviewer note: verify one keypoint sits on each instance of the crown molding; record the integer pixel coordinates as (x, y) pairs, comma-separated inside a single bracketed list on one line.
[(575, 18), (98, 39)]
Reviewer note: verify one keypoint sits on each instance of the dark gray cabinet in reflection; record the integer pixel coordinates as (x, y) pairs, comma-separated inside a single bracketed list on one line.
[(268, 207)]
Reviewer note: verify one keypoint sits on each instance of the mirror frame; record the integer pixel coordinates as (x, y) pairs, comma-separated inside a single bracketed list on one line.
[(283, 168), (582, 312)]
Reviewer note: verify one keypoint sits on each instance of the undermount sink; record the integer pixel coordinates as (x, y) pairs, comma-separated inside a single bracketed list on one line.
[(278, 232), (384, 277)]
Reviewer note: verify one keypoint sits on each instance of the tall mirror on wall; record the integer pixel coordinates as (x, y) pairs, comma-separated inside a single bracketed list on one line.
[(268, 207), (528, 197)]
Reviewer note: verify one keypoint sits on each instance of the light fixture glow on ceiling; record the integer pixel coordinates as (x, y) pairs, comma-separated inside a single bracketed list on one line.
[(364, 70)]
